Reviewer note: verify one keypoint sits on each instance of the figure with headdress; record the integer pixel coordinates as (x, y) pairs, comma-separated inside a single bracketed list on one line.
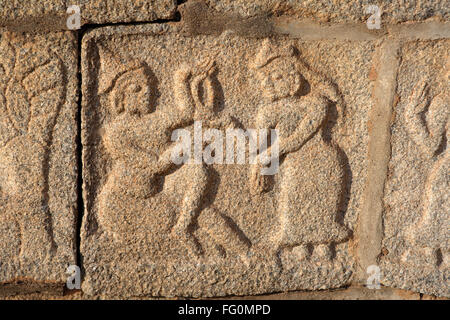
[(138, 139), (427, 123), (311, 176)]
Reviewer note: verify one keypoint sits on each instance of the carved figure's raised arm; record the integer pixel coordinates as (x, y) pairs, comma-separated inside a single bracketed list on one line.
[(203, 109), (186, 84)]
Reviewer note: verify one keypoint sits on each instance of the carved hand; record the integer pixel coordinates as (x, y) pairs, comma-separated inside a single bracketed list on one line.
[(205, 68), (203, 109)]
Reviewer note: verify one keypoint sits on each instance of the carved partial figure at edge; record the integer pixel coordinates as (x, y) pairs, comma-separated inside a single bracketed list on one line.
[(29, 106), (427, 123)]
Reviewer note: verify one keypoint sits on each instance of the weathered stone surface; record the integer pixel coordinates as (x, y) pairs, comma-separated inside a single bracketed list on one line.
[(417, 209), (339, 11), (154, 228), (38, 201), (52, 13), (352, 293)]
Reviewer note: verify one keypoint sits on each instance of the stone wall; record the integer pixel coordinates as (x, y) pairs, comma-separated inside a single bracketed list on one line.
[(357, 95)]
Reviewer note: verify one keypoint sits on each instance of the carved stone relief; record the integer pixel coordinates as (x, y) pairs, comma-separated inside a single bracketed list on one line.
[(417, 192)]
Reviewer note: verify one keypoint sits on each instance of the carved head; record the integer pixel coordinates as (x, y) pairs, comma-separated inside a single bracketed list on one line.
[(278, 72), (129, 84), (132, 93)]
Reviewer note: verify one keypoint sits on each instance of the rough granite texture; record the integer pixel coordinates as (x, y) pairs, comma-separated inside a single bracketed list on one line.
[(352, 293), (38, 196), (362, 116), (52, 13), (336, 11), (417, 207), (152, 228)]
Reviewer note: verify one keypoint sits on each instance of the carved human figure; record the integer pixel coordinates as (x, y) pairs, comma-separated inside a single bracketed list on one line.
[(131, 206), (427, 123), (213, 226), (29, 105), (138, 140), (311, 174)]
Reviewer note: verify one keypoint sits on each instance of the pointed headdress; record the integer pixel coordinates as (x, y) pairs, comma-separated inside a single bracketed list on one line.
[(111, 68)]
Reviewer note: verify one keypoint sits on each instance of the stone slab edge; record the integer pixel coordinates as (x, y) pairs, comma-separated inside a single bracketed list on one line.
[(370, 231), (32, 17), (198, 18), (350, 293)]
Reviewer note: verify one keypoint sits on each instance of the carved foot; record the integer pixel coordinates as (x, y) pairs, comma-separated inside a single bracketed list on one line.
[(324, 252), (245, 258), (186, 239), (301, 252)]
